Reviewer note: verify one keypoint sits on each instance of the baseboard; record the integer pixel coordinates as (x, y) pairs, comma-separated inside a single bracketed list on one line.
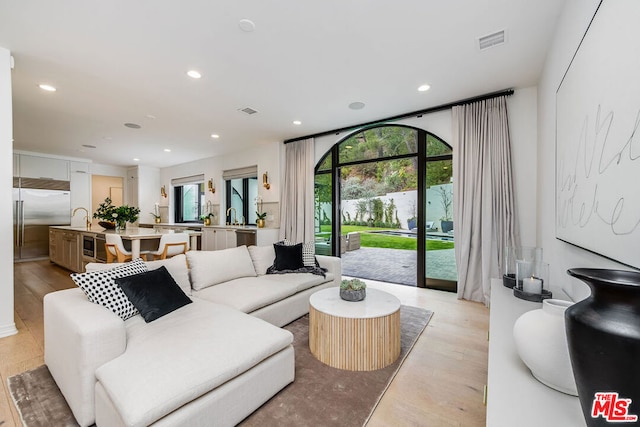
[(8, 330)]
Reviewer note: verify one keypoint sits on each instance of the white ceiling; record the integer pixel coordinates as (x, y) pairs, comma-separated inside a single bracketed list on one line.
[(119, 61)]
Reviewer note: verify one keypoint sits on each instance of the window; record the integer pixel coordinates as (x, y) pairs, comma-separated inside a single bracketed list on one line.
[(241, 196), (241, 187), (189, 198)]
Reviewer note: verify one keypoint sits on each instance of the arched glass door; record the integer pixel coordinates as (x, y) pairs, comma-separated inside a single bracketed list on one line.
[(371, 192)]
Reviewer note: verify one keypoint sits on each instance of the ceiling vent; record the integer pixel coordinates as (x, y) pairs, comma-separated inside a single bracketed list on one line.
[(248, 110), (491, 40)]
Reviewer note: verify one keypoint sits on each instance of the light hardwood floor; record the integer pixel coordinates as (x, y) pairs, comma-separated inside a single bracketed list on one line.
[(440, 383)]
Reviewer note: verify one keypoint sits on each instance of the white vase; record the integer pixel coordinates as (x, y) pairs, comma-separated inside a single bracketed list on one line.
[(541, 342)]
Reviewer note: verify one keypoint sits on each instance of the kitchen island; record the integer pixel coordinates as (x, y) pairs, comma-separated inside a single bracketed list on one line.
[(216, 237), (74, 247)]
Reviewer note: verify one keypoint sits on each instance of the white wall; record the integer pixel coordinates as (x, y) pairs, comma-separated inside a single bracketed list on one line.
[(571, 27), (266, 157), (7, 322)]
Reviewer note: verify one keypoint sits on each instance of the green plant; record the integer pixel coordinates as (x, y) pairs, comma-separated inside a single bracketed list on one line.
[(105, 211), (205, 216), (125, 213), (121, 214), (352, 285), (262, 215)]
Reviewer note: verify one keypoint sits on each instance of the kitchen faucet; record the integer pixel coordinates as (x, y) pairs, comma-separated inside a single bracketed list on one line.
[(235, 217), (86, 217)]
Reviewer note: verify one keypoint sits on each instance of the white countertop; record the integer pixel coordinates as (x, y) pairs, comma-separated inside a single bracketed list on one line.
[(129, 232), (376, 304), (514, 396)]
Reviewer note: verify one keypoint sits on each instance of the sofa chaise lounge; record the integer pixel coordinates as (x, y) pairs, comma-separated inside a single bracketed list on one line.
[(211, 362)]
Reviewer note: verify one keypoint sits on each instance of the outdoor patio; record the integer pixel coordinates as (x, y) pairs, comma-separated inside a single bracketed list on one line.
[(398, 265)]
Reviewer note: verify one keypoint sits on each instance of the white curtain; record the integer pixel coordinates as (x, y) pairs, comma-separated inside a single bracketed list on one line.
[(296, 201), (484, 208)]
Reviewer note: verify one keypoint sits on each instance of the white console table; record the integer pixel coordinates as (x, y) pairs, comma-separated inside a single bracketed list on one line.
[(514, 396)]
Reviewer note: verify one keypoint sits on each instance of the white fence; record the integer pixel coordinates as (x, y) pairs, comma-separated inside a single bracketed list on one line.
[(406, 205)]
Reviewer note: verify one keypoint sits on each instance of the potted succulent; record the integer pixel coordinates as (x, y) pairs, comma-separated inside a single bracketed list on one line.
[(353, 290)]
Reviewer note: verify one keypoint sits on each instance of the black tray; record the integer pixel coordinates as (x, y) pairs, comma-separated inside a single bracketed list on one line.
[(509, 280), (519, 293)]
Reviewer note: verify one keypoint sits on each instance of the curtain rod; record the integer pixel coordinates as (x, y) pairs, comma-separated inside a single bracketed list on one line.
[(507, 92)]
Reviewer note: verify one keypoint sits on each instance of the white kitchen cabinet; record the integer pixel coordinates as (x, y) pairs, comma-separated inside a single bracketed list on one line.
[(43, 167), (209, 239), (80, 186), (80, 167), (225, 238)]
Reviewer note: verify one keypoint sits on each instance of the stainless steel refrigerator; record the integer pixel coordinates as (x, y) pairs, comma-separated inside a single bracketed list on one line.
[(37, 204)]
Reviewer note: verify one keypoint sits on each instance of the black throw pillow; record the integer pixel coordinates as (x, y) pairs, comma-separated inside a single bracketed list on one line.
[(288, 257), (153, 293)]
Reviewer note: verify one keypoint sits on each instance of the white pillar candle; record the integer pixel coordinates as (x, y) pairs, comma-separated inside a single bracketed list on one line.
[(532, 285)]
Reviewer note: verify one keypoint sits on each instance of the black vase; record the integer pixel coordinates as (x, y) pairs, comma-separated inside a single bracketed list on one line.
[(603, 333)]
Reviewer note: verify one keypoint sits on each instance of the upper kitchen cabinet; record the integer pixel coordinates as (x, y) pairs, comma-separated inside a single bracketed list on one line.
[(143, 188), (41, 167), (80, 185)]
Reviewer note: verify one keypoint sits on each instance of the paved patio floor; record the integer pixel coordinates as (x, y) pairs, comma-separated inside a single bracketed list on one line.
[(398, 265)]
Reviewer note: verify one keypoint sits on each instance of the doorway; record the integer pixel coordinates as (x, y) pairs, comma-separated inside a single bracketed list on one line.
[(372, 193)]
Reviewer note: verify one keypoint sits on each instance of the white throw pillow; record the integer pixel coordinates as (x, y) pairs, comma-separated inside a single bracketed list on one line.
[(308, 252), (262, 257), (101, 288), (208, 268), (177, 267)]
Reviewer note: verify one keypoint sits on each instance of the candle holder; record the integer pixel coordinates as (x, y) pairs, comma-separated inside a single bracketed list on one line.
[(514, 253), (532, 281)]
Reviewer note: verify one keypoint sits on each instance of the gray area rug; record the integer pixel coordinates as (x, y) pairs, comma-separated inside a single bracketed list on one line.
[(319, 396)]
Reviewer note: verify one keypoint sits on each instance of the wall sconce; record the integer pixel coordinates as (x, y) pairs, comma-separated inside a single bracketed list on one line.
[(163, 192), (211, 186), (265, 181)]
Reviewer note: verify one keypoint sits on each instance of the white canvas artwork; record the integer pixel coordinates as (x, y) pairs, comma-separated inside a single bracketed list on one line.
[(598, 138)]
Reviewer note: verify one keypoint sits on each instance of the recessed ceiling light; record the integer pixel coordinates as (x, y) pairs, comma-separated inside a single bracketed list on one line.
[(246, 25), (46, 87), (133, 125), (88, 146), (136, 159), (167, 150), (215, 136), (356, 105), (150, 116), (107, 138), (194, 74), (297, 122), (423, 88)]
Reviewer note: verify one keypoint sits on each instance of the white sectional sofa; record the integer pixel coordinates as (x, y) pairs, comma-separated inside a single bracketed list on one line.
[(210, 362)]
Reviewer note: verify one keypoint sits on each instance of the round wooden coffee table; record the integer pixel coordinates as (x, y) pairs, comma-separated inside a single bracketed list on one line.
[(358, 336)]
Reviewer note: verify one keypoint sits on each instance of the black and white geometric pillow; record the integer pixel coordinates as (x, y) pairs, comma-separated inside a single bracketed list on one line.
[(308, 252), (101, 288)]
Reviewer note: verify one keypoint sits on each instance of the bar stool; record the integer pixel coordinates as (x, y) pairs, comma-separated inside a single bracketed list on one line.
[(116, 251), (171, 245)]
